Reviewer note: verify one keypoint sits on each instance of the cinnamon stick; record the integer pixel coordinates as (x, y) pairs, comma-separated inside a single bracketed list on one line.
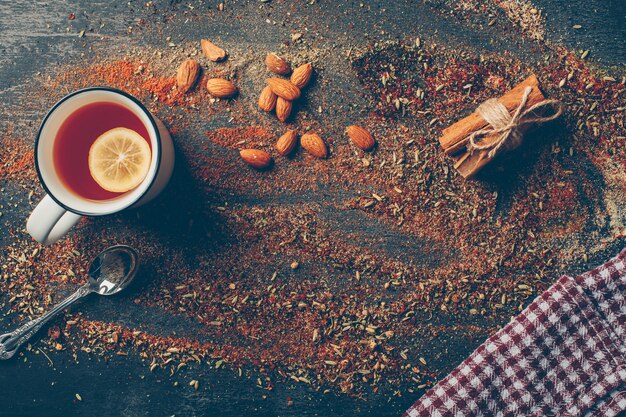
[(455, 137), (469, 164)]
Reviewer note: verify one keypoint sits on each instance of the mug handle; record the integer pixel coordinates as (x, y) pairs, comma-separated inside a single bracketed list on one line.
[(49, 221)]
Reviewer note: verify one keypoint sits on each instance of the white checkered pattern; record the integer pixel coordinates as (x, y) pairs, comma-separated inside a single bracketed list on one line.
[(564, 355)]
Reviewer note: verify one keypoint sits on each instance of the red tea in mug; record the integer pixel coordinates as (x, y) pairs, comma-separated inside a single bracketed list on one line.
[(75, 137)]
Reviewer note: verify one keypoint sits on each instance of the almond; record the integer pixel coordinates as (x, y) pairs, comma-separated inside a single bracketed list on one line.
[(283, 88), (267, 99), (314, 144), (256, 158), (221, 88), (277, 64), (287, 142), (283, 109), (187, 75), (302, 75), (360, 137), (212, 51)]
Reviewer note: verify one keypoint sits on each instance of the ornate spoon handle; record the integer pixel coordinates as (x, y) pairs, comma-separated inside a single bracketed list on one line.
[(10, 342)]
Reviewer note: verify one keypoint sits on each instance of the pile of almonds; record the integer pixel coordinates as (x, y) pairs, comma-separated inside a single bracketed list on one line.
[(189, 72), (278, 95)]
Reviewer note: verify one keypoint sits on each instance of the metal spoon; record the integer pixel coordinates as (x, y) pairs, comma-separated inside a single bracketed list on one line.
[(109, 273)]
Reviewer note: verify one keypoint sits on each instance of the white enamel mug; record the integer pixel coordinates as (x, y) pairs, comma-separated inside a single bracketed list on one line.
[(62, 208)]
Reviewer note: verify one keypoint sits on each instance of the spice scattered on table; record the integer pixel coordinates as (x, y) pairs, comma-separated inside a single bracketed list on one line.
[(393, 252)]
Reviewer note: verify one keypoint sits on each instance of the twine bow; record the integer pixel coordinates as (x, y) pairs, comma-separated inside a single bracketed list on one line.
[(509, 127)]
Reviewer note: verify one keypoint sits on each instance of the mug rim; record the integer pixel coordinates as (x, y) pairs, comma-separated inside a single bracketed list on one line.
[(157, 140)]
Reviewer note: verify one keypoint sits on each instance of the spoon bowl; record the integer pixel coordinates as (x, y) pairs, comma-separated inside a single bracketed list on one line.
[(113, 269)]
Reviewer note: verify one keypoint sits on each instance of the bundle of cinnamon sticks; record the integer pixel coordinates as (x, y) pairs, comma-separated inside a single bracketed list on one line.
[(456, 138)]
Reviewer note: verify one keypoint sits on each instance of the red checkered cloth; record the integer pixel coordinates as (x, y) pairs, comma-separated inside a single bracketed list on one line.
[(564, 355)]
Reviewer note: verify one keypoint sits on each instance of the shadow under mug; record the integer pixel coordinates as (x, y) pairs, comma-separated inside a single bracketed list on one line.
[(62, 208)]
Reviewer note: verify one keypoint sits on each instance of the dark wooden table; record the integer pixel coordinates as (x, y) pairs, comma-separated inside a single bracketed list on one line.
[(34, 39)]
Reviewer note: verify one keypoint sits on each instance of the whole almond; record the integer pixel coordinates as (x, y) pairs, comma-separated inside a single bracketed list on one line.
[(283, 88), (314, 144), (212, 51), (221, 88), (256, 158), (277, 64), (287, 142), (302, 75), (360, 137), (283, 109), (267, 99), (187, 75)]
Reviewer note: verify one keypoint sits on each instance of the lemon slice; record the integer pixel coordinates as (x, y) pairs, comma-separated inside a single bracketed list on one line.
[(119, 160)]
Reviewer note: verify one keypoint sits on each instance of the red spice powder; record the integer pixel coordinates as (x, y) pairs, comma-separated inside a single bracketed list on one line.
[(242, 137), (16, 158)]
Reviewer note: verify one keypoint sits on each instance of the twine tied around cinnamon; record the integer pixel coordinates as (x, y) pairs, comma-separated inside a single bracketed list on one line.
[(509, 127)]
